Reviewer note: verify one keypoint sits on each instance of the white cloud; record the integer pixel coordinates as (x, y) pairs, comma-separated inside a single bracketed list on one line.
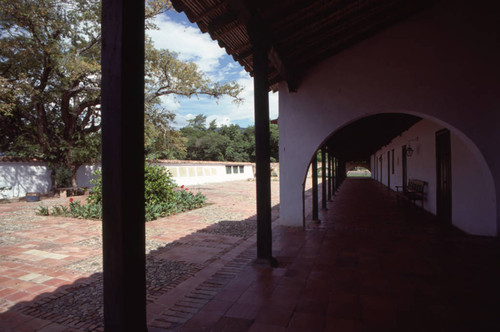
[(225, 111), (188, 41), (170, 102), (195, 46)]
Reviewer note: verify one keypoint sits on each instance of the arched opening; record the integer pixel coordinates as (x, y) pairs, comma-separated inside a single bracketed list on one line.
[(404, 148)]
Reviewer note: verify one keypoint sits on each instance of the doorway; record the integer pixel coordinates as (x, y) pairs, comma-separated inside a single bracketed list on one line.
[(389, 169), (443, 176), (403, 166), (380, 168)]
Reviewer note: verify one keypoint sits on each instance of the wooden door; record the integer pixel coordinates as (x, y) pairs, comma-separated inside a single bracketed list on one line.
[(443, 175), (389, 169), (403, 165), (381, 169)]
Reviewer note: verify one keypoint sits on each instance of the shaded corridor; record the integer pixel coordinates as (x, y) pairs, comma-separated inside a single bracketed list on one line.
[(371, 264)]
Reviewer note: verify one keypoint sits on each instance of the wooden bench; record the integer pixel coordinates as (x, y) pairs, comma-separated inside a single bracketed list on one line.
[(414, 191)]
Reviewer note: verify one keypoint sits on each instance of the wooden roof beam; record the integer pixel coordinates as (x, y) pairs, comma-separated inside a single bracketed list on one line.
[(282, 69), (258, 34), (223, 24)]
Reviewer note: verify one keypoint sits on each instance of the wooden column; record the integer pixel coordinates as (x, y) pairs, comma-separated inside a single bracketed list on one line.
[(262, 153), (323, 177), (315, 186), (329, 176), (123, 165), (341, 171)]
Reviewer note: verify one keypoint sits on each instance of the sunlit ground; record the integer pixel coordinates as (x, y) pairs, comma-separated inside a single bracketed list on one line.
[(359, 173)]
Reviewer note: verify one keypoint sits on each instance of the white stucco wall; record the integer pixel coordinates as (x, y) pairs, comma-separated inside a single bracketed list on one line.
[(421, 165), (473, 192), (441, 64), (185, 173), (86, 173), (195, 174), (24, 177), (473, 200)]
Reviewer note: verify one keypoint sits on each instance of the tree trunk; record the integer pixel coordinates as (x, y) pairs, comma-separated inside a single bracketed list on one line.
[(74, 171), (53, 179)]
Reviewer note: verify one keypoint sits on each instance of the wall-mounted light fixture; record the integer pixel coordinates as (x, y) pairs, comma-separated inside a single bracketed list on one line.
[(409, 149)]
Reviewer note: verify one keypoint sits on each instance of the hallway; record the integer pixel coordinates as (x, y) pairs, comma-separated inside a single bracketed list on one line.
[(371, 264)]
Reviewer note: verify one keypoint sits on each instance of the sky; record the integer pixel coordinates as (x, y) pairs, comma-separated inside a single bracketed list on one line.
[(177, 34)]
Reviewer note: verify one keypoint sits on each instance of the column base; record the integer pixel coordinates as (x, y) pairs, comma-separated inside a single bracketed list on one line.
[(264, 261)]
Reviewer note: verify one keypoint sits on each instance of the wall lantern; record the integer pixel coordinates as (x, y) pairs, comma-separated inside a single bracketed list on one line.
[(409, 151)]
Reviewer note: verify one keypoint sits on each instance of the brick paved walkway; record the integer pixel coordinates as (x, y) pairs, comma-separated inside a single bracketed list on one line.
[(370, 265), (51, 267)]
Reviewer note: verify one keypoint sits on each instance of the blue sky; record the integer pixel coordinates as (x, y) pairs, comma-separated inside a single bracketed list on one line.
[(177, 34)]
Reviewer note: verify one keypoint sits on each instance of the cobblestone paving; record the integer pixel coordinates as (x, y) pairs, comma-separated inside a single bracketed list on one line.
[(51, 267)]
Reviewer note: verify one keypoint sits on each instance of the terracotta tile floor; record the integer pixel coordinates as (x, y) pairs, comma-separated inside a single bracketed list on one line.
[(369, 265)]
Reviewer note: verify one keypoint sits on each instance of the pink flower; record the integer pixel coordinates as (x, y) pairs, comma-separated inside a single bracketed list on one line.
[(187, 189)]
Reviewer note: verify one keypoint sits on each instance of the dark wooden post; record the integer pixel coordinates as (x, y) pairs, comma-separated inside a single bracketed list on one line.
[(329, 175), (341, 170), (315, 186), (323, 177), (262, 153), (123, 165)]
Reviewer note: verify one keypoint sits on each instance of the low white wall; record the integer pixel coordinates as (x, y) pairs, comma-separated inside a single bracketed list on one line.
[(85, 174), (186, 173), (24, 177), (473, 192)]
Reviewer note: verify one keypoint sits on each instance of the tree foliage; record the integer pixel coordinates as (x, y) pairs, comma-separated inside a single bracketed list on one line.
[(50, 83), (224, 143)]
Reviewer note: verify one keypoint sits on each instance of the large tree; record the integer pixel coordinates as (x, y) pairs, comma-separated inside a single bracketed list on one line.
[(50, 82)]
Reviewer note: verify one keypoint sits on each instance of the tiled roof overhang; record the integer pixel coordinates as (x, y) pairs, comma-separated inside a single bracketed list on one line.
[(299, 33)]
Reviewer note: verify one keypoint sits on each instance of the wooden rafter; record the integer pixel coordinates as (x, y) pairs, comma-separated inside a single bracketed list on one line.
[(298, 33)]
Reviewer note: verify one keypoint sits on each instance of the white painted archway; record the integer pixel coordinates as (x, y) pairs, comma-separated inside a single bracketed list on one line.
[(430, 66)]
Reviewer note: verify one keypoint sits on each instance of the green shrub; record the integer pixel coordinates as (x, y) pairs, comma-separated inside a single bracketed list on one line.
[(62, 175), (60, 211), (95, 194), (188, 201), (42, 211), (161, 196), (158, 184), (89, 211)]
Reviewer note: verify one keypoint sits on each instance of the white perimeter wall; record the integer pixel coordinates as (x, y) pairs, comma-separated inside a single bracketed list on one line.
[(86, 173), (185, 173), (473, 191), (194, 174), (440, 64), (24, 177)]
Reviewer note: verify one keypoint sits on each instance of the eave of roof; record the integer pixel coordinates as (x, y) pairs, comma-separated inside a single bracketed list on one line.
[(300, 33)]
